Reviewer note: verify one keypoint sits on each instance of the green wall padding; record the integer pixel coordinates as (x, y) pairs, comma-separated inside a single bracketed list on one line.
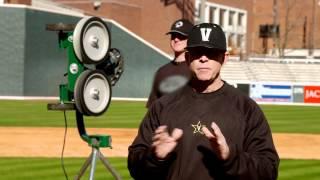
[(32, 64)]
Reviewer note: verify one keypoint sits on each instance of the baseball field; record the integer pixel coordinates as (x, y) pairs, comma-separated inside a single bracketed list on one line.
[(32, 139)]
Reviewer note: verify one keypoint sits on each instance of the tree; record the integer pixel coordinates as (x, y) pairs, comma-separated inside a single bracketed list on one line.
[(291, 23)]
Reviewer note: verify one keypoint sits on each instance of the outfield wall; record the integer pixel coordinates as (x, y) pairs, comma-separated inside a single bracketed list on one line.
[(281, 93), (32, 64)]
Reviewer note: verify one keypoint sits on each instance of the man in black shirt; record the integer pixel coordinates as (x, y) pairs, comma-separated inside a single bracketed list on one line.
[(176, 73), (207, 129)]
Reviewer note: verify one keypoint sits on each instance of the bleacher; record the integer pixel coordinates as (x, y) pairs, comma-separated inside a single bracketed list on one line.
[(304, 72), (235, 70)]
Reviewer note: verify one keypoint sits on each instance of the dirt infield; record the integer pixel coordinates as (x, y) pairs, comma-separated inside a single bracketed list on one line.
[(47, 142)]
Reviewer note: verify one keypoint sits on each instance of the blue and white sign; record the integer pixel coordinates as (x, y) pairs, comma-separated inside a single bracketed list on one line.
[(271, 93)]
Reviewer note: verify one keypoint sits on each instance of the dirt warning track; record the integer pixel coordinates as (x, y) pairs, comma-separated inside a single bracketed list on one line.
[(48, 142)]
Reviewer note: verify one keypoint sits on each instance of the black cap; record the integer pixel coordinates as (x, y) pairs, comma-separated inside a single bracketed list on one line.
[(181, 26), (207, 35)]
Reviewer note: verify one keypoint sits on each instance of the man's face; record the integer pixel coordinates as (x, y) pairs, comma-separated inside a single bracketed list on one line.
[(178, 42), (205, 63)]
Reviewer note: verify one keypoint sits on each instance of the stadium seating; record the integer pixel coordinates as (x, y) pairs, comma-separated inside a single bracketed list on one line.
[(272, 71), (235, 70)]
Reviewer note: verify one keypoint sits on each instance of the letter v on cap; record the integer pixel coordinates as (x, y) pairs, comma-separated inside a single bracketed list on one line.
[(205, 33)]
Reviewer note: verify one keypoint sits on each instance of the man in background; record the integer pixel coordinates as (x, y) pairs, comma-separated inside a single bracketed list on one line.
[(176, 73)]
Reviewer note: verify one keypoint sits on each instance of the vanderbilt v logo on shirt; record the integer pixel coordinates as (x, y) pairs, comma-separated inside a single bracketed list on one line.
[(205, 33)]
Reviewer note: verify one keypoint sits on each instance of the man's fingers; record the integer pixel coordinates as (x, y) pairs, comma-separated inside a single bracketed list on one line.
[(155, 143), (160, 134), (216, 129), (176, 133), (161, 129), (163, 136), (207, 132)]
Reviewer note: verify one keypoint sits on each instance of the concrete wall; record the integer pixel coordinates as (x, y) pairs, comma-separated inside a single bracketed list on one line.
[(12, 40), (32, 64)]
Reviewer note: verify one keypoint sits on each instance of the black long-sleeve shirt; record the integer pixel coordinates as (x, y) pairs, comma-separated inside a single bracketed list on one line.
[(169, 78), (243, 124)]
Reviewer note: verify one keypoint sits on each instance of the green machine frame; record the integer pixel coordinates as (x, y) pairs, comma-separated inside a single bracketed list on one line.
[(67, 102), (66, 92)]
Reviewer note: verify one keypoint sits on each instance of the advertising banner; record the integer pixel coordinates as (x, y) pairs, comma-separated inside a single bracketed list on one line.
[(271, 93), (312, 94), (298, 94)]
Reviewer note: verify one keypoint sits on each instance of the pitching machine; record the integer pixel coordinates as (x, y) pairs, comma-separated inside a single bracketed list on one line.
[(93, 67)]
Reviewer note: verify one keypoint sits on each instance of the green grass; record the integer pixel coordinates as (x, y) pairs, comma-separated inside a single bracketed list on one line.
[(299, 169), (34, 113), (291, 119), (294, 119), (50, 168)]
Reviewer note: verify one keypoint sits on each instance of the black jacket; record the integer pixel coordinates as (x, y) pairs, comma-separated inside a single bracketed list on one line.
[(252, 152)]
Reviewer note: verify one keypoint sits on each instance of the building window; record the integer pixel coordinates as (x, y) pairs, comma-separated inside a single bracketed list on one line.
[(211, 14), (240, 19), (221, 18), (197, 12), (231, 17), (231, 40), (232, 20)]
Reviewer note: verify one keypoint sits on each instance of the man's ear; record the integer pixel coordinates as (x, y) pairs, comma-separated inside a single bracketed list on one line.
[(187, 57), (226, 57)]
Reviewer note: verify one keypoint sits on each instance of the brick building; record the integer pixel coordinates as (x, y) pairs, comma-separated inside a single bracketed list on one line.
[(243, 21), (299, 24)]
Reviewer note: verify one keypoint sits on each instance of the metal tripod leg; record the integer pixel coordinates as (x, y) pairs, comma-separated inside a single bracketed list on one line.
[(108, 166), (85, 166), (93, 163), (92, 159)]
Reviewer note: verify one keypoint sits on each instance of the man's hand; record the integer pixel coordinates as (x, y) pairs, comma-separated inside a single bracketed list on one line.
[(218, 142), (163, 143)]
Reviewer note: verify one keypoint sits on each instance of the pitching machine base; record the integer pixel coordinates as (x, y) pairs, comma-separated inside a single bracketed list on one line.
[(94, 141)]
